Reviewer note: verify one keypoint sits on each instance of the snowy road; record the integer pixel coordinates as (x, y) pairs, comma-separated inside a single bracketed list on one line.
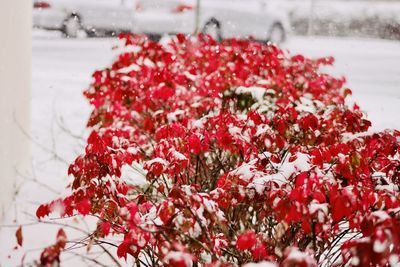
[(62, 69)]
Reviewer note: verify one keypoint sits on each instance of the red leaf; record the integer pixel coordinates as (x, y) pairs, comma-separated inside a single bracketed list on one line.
[(301, 178), (166, 212), (61, 238), (122, 250), (194, 144), (84, 207), (105, 228), (259, 252), (347, 92), (133, 209), (339, 209), (19, 236), (42, 211), (95, 144), (317, 157), (298, 58), (246, 240), (164, 93)]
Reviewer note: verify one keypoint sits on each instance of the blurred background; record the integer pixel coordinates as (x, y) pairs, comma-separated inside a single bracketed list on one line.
[(70, 39), (362, 18)]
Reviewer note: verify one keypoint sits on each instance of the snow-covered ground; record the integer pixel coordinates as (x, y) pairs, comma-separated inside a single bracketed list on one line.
[(62, 69)]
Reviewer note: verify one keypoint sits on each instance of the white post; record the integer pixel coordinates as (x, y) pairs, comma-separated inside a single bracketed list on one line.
[(15, 73)]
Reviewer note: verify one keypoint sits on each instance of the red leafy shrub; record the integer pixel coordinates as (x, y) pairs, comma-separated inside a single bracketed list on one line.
[(220, 154)]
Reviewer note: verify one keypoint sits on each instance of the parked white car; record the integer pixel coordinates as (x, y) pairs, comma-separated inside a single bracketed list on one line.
[(73, 16), (261, 19)]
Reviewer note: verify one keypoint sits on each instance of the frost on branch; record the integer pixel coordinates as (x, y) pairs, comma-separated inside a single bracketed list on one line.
[(232, 153)]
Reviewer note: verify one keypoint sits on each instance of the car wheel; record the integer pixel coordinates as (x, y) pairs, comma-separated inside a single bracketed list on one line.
[(213, 28), (92, 32), (72, 27), (277, 34)]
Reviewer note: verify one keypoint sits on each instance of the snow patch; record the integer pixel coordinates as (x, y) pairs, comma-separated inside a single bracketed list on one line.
[(173, 116), (256, 92), (133, 175), (261, 264), (130, 68), (157, 160), (284, 171), (245, 172), (178, 256)]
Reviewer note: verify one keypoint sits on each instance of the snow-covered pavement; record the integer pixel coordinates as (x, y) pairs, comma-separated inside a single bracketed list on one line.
[(62, 69)]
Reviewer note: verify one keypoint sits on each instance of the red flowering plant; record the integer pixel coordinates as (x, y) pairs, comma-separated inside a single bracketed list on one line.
[(221, 154)]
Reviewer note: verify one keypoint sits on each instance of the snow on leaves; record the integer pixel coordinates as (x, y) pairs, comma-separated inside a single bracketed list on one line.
[(249, 155)]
